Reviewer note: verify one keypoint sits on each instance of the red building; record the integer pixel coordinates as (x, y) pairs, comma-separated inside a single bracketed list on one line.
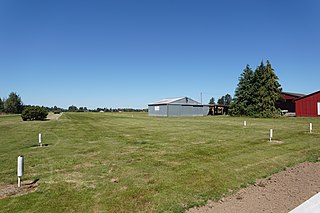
[(288, 101), (309, 105)]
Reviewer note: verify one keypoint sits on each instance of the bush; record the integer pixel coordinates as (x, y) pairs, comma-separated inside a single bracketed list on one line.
[(34, 113)]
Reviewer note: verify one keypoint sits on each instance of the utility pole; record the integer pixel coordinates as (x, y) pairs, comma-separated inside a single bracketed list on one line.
[(201, 97)]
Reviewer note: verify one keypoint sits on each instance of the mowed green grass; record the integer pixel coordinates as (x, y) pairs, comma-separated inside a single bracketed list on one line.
[(159, 164)]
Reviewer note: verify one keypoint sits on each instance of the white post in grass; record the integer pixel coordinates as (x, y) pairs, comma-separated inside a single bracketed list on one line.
[(271, 134), (310, 127), (244, 123), (20, 169), (40, 139)]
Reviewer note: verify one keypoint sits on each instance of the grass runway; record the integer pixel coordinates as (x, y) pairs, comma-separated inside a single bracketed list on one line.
[(129, 162)]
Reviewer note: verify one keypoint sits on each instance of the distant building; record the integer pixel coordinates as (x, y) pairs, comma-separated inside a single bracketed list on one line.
[(218, 109), (175, 107), (309, 105)]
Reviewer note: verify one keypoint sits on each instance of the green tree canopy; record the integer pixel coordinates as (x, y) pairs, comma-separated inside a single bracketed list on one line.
[(269, 92), (1, 106), (256, 92), (225, 99), (221, 100), (243, 97), (13, 104), (34, 113), (72, 108), (212, 101)]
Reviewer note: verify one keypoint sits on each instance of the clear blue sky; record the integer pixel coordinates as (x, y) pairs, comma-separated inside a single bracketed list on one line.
[(118, 53)]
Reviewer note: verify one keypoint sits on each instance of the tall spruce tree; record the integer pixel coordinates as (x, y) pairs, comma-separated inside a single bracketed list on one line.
[(221, 100), (257, 92), (269, 91), (227, 99), (256, 87), (242, 101), (212, 101)]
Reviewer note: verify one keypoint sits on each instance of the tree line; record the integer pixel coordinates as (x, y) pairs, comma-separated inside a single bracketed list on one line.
[(255, 95), (14, 105), (73, 108), (224, 100)]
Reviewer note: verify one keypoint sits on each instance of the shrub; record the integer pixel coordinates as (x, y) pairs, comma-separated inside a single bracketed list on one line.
[(34, 113)]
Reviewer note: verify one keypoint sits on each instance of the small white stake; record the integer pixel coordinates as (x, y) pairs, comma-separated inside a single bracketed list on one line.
[(310, 127), (244, 123), (40, 139), (271, 134), (20, 169)]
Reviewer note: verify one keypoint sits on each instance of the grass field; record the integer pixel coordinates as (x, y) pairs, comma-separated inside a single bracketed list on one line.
[(157, 164)]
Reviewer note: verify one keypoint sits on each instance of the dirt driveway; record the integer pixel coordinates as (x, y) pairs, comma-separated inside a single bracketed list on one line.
[(52, 116), (281, 192)]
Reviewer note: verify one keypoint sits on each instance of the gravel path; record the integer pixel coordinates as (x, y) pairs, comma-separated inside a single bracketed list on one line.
[(281, 192), (52, 116)]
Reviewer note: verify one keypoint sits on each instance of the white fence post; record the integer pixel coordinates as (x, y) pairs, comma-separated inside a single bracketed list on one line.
[(20, 169)]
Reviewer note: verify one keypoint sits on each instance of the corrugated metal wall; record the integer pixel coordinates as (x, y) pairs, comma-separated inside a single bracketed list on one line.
[(187, 110), (158, 110), (175, 110), (182, 107), (308, 106)]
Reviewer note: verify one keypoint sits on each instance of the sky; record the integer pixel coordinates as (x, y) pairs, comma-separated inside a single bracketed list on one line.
[(128, 53)]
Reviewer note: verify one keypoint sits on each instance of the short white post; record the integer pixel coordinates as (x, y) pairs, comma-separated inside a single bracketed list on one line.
[(40, 139), (244, 123), (310, 127), (20, 169), (271, 134)]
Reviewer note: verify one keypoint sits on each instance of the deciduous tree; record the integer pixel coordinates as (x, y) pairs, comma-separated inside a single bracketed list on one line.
[(72, 108)]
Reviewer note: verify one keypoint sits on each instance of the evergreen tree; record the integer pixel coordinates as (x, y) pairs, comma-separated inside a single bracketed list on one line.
[(256, 86), (257, 92), (13, 104), (269, 92), (243, 97), (221, 100), (227, 99), (1, 106), (212, 101)]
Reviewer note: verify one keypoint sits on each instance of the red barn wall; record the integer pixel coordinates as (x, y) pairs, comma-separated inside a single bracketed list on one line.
[(308, 106), (288, 97)]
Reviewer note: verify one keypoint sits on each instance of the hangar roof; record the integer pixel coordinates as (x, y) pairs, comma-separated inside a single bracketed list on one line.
[(173, 100)]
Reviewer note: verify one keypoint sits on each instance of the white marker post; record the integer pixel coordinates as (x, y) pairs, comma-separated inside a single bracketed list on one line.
[(244, 123), (40, 139), (310, 127), (271, 134), (20, 170)]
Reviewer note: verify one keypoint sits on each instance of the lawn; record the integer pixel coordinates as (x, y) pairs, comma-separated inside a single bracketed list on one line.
[(129, 162)]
